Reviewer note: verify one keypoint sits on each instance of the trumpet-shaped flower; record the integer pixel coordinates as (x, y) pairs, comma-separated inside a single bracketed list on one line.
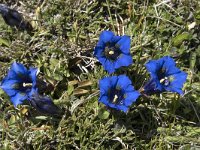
[(19, 83), (117, 92), (113, 51), (165, 76)]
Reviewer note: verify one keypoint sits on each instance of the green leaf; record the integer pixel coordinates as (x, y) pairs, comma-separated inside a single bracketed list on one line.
[(54, 62), (103, 114), (197, 14), (192, 60), (179, 20), (4, 42), (70, 89), (177, 41)]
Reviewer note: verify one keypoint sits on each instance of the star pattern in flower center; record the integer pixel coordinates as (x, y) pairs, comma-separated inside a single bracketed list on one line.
[(112, 53)]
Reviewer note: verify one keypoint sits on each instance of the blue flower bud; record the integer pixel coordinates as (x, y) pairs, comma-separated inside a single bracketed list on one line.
[(14, 18), (44, 104)]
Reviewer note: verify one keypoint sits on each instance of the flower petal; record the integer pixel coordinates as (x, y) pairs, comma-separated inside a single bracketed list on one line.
[(109, 66), (123, 81), (123, 60), (122, 107), (105, 85), (19, 68), (172, 70), (177, 84), (152, 67), (105, 37), (131, 97), (99, 51), (170, 66), (174, 89), (18, 98), (104, 100), (129, 88), (102, 60), (33, 91), (150, 87), (159, 86), (125, 44), (115, 39), (112, 105), (114, 80), (9, 86), (18, 72), (12, 75), (33, 75), (168, 61)]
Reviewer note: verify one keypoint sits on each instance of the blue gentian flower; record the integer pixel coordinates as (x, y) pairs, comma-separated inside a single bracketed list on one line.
[(43, 104), (165, 76), (19, 83), (113, 51), (117, 92)]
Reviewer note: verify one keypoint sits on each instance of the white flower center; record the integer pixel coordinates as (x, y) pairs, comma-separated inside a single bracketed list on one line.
[(27, 84), (163, 80), (115, 99), (111, 52), (166, 80)]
